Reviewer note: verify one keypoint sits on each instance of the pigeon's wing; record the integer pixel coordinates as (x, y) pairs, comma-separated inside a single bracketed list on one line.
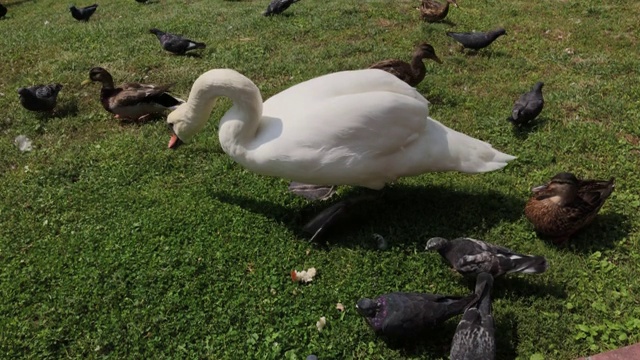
[(176, 45), (410, 313), (485, 261), (43, 91)]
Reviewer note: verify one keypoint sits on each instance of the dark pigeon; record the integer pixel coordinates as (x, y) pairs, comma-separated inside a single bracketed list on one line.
[(175, 43), (39, 97), (278, 6), (141, 1), (402, 316), (475, 335), (471, 257), (477, 40), (3, 11), (83, 14), (528, 106)]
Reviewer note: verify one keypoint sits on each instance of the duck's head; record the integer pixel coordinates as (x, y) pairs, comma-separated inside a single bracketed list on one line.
[(367, 307), (100, 75), (427, 51), (436, 243), (562, 189)]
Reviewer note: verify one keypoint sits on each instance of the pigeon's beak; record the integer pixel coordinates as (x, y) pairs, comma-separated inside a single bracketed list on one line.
[(436, 59), (174, 142)]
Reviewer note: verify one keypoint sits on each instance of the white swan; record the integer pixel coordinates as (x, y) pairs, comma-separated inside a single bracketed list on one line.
[(363, 128)]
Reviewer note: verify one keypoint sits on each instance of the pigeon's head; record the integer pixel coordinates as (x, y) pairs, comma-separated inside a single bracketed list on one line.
[(436, 243), (72, 7), (562, 189), (23, 91), (538, 86), (367, 307), (426, 51), (156, 31), (499, 31)]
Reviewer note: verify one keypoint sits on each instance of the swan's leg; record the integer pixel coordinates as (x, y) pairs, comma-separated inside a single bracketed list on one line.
[(312, 192)]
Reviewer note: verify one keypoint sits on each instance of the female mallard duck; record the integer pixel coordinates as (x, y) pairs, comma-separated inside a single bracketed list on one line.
[(362, 128), (132, 100), (412, 73), (566, 204), (433, 11)]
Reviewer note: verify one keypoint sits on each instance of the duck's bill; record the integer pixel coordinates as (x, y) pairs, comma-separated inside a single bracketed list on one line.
[(539, 188), (174, 142), (86, 82)]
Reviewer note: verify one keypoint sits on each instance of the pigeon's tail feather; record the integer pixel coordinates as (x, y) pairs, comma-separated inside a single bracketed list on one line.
[(458, 305), (528, 264), (484, 283), (196, 45)]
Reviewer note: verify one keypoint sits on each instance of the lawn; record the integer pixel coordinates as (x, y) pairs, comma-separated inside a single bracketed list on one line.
[(113, 246)]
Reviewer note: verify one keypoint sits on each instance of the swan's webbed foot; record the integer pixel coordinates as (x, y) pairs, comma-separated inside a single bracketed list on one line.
[(312, 192)]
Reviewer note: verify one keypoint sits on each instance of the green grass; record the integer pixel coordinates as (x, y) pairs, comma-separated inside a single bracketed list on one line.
[(112, 246)]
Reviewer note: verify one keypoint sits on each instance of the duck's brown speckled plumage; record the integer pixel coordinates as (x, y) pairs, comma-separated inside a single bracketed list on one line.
[(566, 204), (132, 100), (433, 11), (412, 73)]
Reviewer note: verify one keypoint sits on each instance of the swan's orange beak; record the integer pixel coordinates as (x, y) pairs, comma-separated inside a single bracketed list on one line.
[(174, 142)]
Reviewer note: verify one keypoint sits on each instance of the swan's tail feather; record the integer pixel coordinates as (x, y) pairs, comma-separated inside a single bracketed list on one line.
[(463, 152)]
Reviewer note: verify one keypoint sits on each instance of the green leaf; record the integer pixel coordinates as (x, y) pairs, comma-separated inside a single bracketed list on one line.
[(536, 356)]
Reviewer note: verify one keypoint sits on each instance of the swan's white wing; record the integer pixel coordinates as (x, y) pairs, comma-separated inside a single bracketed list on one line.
[(345, 139), (298, 97)]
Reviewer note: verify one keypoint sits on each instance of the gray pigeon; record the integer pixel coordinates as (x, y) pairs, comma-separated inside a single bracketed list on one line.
[(471, 257), (176, 43), (83, 13), (528, 106), (477, 40), (475, 335), (404, 316), (39, 97), (278, 6), (3, 11)]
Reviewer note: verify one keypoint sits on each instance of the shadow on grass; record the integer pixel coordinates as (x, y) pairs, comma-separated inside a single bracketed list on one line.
[(602, 234), (70, 108), (522, 131), (419, 212)]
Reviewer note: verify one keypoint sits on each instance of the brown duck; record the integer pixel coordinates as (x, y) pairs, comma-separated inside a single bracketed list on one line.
[(565, 205), (132, 100), (433, 11), (412, 73)]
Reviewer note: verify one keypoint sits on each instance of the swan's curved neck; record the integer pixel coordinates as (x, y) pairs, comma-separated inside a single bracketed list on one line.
[(240, 123)]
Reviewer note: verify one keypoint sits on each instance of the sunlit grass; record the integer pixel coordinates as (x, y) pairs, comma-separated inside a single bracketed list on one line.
[(113, 246)]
